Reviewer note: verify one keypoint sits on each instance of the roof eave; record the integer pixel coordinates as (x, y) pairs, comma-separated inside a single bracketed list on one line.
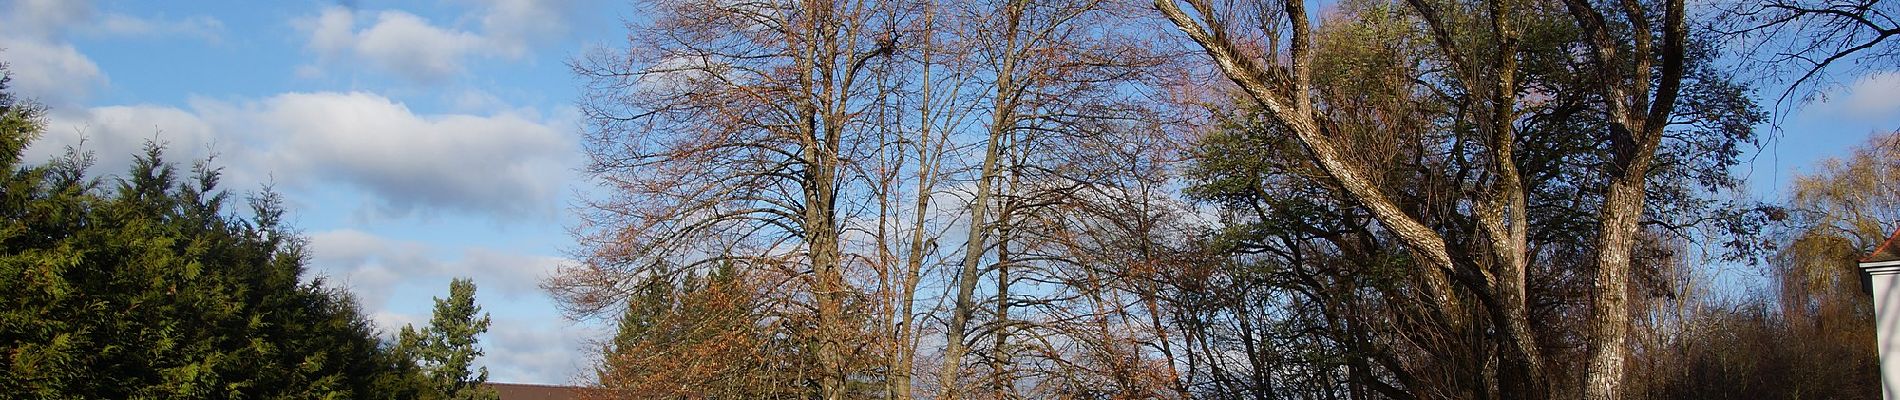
[(1889, 250)]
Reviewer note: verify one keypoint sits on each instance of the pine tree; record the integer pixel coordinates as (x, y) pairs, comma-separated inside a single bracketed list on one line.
[(448, 347), (146, 287)]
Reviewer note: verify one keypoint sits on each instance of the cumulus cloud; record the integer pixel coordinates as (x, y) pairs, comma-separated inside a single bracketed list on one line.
[(397, 41), (531, 350), (410, 46), (44, 19), (526, 341), (53, 73), (1876, 95), (372, 266), (508, 163), (44, 63), (514, 25), (368, 265), (44, 66), (115, 133)]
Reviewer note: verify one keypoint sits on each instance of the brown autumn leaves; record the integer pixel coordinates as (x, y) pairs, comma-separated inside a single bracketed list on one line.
[(1169, 199)]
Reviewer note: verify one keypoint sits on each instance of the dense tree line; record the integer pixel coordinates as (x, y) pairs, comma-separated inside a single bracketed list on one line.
[(1200, 199), (146, 286)]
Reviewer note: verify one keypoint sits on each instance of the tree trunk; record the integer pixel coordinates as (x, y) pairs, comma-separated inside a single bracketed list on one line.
[(1635, 133), (1507, 224), (929, 152), (1609, 326), (973, 251), (829, 287), (1000, 362), (1001, 121)]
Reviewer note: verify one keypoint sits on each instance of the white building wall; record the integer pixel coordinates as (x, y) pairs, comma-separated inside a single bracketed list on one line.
[(1886, 293)]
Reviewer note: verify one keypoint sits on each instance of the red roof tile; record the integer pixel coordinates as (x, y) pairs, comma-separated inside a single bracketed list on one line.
[(1888, 250), (522, 391)]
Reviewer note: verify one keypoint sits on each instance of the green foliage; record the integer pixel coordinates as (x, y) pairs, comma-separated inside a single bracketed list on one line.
[(448, 347), (1317, 292), (146, 287)]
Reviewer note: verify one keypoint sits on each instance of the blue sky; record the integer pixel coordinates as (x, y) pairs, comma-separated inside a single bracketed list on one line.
[(423, 140), (1850, 109)]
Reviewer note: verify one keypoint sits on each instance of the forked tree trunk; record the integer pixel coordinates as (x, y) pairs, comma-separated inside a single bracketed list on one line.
[(1636, 131), (829, 288)]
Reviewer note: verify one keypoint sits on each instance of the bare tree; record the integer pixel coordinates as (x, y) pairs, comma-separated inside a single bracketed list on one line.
[(924, 143), (1044, 65), (1811, 37), (727, 132), (1429, 199)]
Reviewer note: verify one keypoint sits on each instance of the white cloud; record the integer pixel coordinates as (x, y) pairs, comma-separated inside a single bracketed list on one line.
[(397, 41), (534, 351), (44, 19), (44, 66), (506, 163), (474, 100), (204, 27), (48, 68), (513, 25), (372, 266), (1873, 98), (53, 73), (114, 134), (412, 47), (388, 323), (1876, 95), (331, 30), (52, 20), (509, 163), (527, 341)]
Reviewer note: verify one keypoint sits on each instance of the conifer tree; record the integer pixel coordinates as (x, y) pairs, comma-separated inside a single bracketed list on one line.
[(144, 286), (448, 347)]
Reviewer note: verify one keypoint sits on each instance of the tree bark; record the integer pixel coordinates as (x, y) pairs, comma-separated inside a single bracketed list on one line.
[(974, 248), (929, 153), (1507, 222), (1002, 120), (1293, 109), (821, 229), (1636, 131)]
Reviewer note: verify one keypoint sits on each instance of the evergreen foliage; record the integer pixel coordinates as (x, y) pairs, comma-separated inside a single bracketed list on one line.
[(447, 348), (145, 286)]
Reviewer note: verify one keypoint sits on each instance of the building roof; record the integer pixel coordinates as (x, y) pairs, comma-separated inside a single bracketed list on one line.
[(1888, 250), (523, 391)]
